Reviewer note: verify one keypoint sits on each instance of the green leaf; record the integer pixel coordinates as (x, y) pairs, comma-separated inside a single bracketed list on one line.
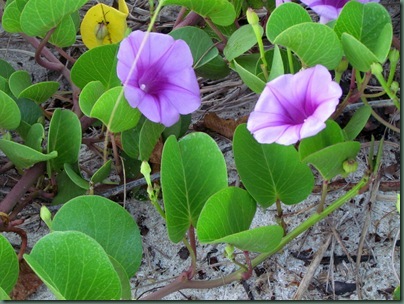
[(102, 173), (11, 16), (114, 111), (67, 189), (9, 266), (74, 267), (30, 111), (357, 122), (241, 41), (3, 295), (221, 12), (260, 239), (89, 96), (64, 136), (192, 169), (179, 128), (214, 69), (397, 293), (39, 16), (75, 176), (270, 171), (130, 141), (313, 43), (108, 223), (65, 34), (123, 277), (97, 64), (332, 134), (328, 161), (10, 115), (277, 65), (366, 33), (35, 136), (149, 136), (22, 156), (250, 79), (284, 17), (202, 48), (270, 57), (19, 81), (40, 92), (6, 69)]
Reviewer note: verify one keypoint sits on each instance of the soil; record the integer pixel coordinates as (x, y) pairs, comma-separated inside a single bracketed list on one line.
[(371, 216)]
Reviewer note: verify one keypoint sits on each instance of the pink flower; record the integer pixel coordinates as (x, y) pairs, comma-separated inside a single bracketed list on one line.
[(162, 83), (329, 9), (293, 107)]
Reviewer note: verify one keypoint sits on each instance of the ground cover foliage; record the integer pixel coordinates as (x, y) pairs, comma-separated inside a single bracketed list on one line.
[(138, 91)]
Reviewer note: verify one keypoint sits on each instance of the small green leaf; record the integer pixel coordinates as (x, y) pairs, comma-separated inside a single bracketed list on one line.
[(10, 115), (284, 17), (221, 12), (11, 16), (202, 48), (108, 223), (97, 64), (241, 41), (75, 176), (35, 136), (214, 69), (22, 156), (130, 140), (250, 79), (357, 122), (65, 34), (67, 189), (192, 169), (123, 277), (179, 128), (64, 136), (30, 111), (89, 96), (74, 267), (19, 81), (9, 266), (313, 43), (6, 69), (102, 173), (149, 136), (114, 111), (277, 65), (270, 171), (40, 92)]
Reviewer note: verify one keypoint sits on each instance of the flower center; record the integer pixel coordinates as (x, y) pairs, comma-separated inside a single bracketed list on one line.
[(143, 87)]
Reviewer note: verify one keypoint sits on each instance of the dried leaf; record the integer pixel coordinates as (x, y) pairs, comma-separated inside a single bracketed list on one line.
[(225, 127), (28, 283)]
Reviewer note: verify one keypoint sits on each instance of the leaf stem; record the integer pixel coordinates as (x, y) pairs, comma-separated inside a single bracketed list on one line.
[(290, 60), (324, 191)]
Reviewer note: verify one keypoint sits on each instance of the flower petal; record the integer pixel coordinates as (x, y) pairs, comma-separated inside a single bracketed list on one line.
[(150, 107)]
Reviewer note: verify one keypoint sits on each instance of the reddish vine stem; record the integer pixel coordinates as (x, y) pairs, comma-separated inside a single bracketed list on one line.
[(24, 241)]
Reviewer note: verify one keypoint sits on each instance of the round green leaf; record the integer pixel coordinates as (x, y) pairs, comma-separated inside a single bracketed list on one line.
[(40, 92), (114, 111), (192, 169), (313, 43), (10, 115), (241, 41), (64, 136), (35, 136), (39, 16), (22, 156), (3, 295), (284, 17), (74, 267), (228, 211), (221, 12), (270, 171), (202, 48), (357, 122), (89, 96), (11, 16), (5, 68), (19, 81), (97, 64), (9, 266), (65, 34), (108, 223)]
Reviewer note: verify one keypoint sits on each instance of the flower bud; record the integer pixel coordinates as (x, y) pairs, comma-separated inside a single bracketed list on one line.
[(350, 165), (252, 17), (395, 86), (376, 68), (46, 216), (394, 56), (342, 66)]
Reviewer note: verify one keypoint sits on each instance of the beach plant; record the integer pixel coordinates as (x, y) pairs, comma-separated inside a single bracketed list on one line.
[(139, 89)]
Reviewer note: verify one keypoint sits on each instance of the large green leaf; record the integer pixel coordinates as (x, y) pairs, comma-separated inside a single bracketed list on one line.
[(192, 169), (11, 16), (10, 115), (240, 42), (366, 33), (270, 171), (108, 223), (64, 136), (114, 111), (39, 16), (97, 64), (40, 92), (65, 34), (313, 43), (221, 12), (4, 295), (89, 96), (284, 17), (23, 156), (74, 267), (202, 48), (9, 266)]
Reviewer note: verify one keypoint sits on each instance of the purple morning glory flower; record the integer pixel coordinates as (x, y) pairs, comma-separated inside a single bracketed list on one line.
[(329, 9), (162, 84), (293, 107)]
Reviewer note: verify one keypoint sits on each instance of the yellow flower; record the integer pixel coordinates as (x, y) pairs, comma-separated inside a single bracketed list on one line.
[(104, 24)]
